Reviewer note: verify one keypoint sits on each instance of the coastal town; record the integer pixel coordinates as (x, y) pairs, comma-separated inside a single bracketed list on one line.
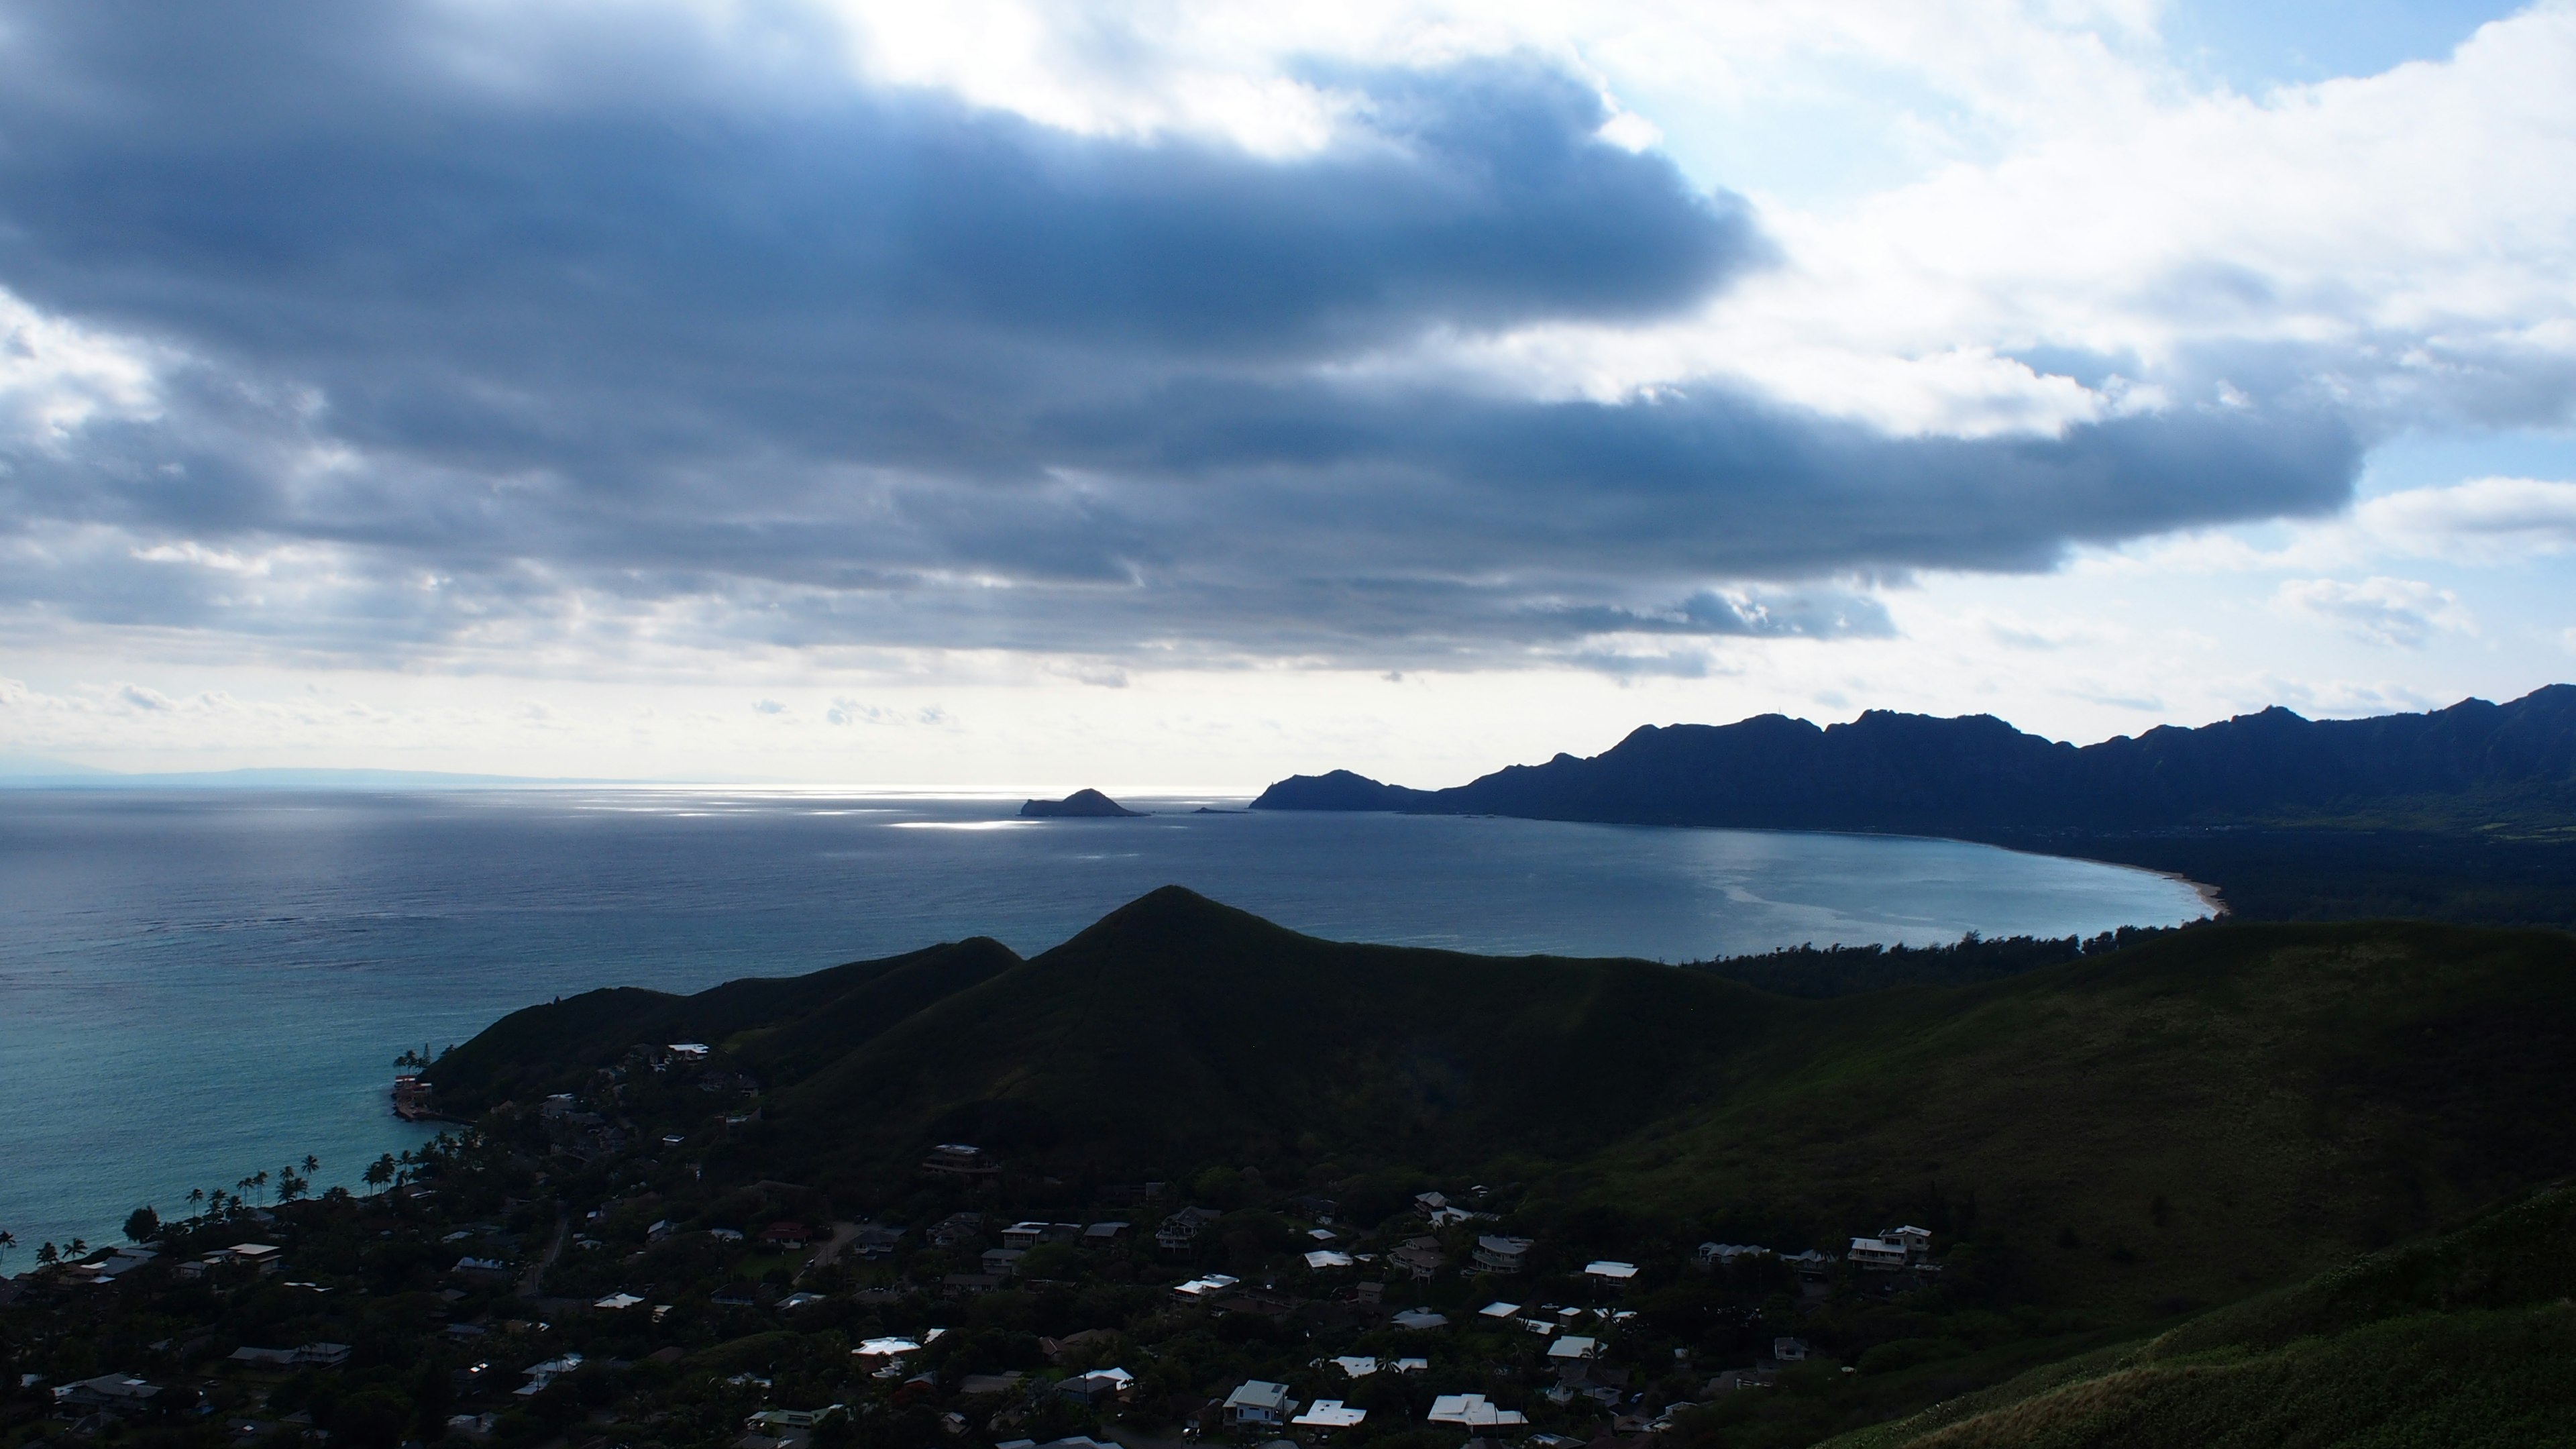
[(575, 1272)]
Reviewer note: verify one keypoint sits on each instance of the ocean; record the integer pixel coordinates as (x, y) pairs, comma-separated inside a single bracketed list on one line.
[(198, 985)]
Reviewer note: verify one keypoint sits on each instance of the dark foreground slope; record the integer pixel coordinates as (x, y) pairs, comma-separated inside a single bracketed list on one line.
[(2223, 1109), (2465, 813), (2459, 1341)]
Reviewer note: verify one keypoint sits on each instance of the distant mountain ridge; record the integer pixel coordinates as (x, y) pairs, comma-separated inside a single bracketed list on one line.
[(1978, 776)]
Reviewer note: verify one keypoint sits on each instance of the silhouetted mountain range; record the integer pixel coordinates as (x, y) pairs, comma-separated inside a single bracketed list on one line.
[(1977, 776)]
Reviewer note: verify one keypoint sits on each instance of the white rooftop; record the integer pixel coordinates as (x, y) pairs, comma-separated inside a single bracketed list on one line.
[(1498, 1310), (885, 1347), (1611, 1268), (1422, 1318), (1258, 1394), (1473, 1411), (1355, 1366), (1329, 1414), (1197, 1287), (1573, 1346), (1327, 1258)]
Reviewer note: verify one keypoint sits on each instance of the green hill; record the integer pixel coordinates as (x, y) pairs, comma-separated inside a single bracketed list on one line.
[(2221, 1110), (2459, 1341)]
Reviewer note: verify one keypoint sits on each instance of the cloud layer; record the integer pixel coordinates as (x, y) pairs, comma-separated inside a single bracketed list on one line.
[(412, 328)]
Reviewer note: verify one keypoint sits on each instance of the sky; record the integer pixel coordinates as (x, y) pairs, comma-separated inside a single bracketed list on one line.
[(1162, 396)]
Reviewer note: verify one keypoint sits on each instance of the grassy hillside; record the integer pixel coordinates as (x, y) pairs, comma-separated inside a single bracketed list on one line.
[(1178, 1031), (2103, 1147), (2169, 1125), (2135, 1133), (789, 1024), (2458, 1341)]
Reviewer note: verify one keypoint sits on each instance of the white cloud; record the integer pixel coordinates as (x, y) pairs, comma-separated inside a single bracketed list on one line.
[(2403, 613), (2485, 520)]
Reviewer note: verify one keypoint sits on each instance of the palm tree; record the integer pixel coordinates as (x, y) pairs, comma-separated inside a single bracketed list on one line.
[(379, 1173), (312, 1164)]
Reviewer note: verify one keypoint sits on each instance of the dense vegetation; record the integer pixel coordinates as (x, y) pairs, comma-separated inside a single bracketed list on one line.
[(2458, 1341), (1812, 970), (2127, 1155)]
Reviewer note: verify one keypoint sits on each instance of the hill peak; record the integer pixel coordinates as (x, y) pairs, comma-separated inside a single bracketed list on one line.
[(1081, 804)]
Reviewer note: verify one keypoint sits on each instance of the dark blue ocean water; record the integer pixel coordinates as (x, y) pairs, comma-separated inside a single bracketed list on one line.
[(198, 985)]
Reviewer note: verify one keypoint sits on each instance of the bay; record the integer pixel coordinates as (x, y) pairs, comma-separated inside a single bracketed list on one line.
[(198, 985)]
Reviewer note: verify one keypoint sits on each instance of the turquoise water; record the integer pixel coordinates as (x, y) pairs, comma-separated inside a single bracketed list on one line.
[(198, 985)]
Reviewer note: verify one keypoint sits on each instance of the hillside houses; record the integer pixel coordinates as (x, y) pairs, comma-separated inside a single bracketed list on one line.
[(654, 1265)]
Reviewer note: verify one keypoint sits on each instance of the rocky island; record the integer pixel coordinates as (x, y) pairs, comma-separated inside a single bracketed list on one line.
[(1081, 804)]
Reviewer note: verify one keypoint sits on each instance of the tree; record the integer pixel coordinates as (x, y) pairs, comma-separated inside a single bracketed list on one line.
[(142, 1225), (48, 1255), (78, 1249), (312, 1164), (380, 1172)]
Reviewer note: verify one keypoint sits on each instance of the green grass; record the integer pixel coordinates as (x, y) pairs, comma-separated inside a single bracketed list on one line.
[(2463, 1340)]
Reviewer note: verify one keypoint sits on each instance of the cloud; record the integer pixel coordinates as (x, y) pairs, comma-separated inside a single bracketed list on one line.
[(461, 330), (2401, 613), (2484, 520)]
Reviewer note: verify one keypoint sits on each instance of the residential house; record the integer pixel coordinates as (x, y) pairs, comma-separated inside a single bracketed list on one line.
[(1329, 1414), (1259, 1403), (112, 1392), (957, 1229), (1789, 1350), (1180, 1232), (1501, 1255), (1100, 1387), (1101, 1235), (1474, 1411), (960, 1159), (1917, 1242), (1877, 1254), (266, 1257), (1610, 1270), (1420, 1256), (1003, 1262)]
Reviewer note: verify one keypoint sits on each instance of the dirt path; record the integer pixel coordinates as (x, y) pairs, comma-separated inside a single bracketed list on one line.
[(843, 1234), (534, 1279)]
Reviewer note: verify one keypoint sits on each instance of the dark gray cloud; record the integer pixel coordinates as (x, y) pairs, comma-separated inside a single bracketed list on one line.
[(677, 318)]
